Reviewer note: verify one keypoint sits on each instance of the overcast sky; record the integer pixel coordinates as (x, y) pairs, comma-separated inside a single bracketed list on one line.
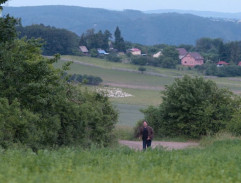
[(204, 5)]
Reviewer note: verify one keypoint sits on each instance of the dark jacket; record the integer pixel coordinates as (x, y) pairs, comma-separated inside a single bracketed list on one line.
[(150, 132)]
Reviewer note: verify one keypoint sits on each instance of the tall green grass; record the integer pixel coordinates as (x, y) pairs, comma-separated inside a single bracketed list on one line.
[(220, 162)]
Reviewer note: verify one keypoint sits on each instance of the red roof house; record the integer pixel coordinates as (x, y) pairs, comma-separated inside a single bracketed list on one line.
[(222, 63), (182, 52), (135, 51), (192, 59)]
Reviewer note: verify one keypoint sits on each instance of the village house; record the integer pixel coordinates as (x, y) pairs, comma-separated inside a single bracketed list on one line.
[(158, 54), (192, 59), (84, 50), (182, 52), (102, 52), (222, 63), (135, 51)]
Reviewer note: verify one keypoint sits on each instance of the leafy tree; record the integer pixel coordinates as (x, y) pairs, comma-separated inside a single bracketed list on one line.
[(170, 57), (234, 125), (93, 53), (167, 62), (91, 80), (192, 107), (113, 57), (2, 2), (139, 60), (38, 107), (142, 69), (8, 28)]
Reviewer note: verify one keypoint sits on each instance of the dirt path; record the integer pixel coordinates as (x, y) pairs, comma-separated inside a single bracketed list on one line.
[(137, 145)]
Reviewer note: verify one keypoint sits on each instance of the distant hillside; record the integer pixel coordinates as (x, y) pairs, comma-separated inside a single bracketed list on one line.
[(169, 28), (199, 13)]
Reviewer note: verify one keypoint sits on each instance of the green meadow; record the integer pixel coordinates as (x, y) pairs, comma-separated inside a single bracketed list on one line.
[(218, 162), (144, 88)]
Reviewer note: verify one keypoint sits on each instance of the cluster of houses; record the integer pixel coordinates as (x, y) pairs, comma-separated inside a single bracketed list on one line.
[(189, 59), (85, 51)]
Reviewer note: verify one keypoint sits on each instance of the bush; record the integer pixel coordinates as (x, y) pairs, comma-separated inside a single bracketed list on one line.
[(192, 107), (93, 53), (86, 79), (142, 69), (18, 125), (224, 71), (113, 57), (234, 125), (139, 60)]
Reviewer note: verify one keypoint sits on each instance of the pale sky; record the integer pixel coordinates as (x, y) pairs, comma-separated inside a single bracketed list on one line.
[(203, 5)]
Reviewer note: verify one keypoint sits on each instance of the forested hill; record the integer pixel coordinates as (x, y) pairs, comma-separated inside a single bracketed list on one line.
[(213, 14), (168, 28)]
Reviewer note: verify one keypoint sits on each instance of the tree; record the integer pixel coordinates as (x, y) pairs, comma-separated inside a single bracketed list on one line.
[(234, 125), (192, 107), (142, 69), (2, 2), (38, 107), (8, 28), (170, 57), (93, 53), (119, 41)]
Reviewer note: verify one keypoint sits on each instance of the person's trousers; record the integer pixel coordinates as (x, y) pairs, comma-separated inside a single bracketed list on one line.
[(146, 144)]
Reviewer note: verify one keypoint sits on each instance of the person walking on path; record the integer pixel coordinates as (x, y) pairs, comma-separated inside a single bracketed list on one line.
[(146, 133)]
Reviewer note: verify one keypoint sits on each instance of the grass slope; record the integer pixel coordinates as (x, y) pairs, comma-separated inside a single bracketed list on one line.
[(145, 88), (106, 70), (220, 162)]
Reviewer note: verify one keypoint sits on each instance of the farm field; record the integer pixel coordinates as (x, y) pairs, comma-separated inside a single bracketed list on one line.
[(219, 162), (145, 88), (107, 71)]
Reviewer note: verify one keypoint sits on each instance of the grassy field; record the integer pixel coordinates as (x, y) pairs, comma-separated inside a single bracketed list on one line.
[(140, 97), (110, 65), (144, 88), (115, 76), (129, 114), (219, 162), (108, 74)]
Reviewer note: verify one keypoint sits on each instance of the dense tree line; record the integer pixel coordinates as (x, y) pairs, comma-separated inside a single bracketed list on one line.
[(38, 108), (85, 79), (93, 40), (224, 71), (214, 50), (168, 59), (55, 40)]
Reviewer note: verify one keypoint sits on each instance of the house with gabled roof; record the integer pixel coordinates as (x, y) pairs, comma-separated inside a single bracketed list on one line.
[(158, 54), (182, 52), (84, 49), (135, 51), (102, 52), (192, 59), (222, 63)]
